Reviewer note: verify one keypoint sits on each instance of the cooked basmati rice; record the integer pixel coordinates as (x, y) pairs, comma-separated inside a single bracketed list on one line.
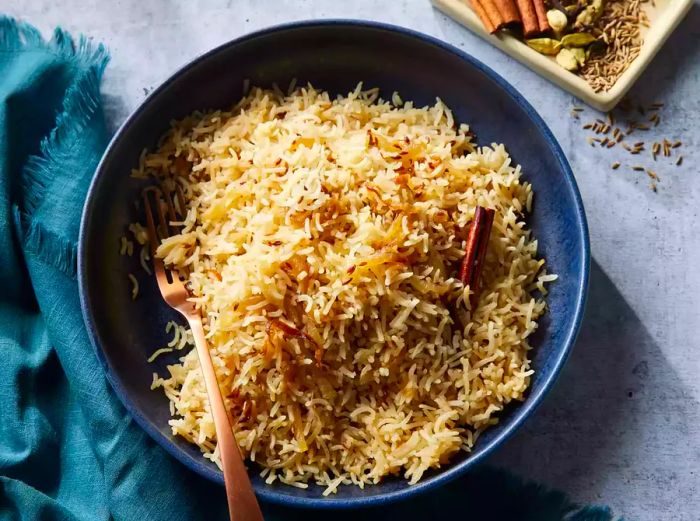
[(126, 247), (322, 242), (134, 286)]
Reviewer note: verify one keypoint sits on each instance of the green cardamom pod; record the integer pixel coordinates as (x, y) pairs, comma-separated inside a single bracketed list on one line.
[(577, 40), (547, 46), (568, 60)]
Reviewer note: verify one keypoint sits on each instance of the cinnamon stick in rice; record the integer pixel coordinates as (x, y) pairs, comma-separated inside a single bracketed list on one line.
[(541, 12), (475, 253), (528, 15)]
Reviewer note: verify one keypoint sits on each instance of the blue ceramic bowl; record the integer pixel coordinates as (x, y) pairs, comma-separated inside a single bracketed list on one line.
[(333, 55)]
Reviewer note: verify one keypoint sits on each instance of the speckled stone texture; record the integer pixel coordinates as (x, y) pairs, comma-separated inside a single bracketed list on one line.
[(622, 426)]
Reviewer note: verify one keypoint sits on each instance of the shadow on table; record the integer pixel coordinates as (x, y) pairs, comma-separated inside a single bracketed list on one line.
[(115, 111), (485, 494), (600, 415)]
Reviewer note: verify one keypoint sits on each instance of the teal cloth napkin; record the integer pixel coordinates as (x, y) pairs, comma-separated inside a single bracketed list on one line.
[(68, 449)]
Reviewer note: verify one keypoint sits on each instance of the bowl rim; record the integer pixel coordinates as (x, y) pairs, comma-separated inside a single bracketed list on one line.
[(525, 410)]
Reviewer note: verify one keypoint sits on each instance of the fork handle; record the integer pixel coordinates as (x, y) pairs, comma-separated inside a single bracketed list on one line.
[(242, 503)]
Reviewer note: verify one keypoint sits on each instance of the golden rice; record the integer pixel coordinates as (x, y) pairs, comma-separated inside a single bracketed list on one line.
[(322, 241)]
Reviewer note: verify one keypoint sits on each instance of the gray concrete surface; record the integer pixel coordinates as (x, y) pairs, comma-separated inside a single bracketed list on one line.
[(622, 426)]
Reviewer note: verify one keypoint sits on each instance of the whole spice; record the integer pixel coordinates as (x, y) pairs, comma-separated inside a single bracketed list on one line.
[(619, 28), (483, 15), (496, 14), (557, 20), (607, 31), (475, 253), (577, 40), (580, 55), (528, 14), (544, 45), (541, 12), (567, 59), (508, 11), (590, 14), (662, 148)]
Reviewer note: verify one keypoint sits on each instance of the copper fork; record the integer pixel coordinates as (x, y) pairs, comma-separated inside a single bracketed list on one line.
[(242, 503)]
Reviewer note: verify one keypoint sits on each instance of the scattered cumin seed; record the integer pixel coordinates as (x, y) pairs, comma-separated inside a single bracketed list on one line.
[(638, 168), (577, 109), (611, 118), (676, 144), (639, 144), (679, 161), (587, 126), (642, 127), (611, 144), (615, 165), (652, 175), (652, 185)]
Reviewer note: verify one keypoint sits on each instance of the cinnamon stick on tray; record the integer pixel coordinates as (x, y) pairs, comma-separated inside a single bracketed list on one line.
[(528, 14), (477, 241), (495, 14), (509, 11), (541, 11), (480, 10)]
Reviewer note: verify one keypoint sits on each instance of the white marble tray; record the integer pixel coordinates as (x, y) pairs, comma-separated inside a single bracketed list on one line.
[(663, 20)]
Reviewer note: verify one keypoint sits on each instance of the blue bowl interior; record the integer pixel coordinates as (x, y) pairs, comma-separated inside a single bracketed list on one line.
[(333, 56)]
